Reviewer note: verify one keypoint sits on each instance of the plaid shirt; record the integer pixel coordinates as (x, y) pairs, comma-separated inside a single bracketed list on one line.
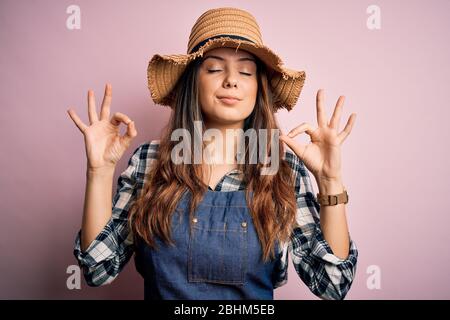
[(325, 274)]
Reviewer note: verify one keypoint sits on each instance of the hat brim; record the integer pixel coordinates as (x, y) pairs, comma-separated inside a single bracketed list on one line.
[(164, 71)]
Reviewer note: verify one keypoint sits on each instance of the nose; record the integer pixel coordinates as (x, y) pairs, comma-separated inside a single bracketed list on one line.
[(230, 80)]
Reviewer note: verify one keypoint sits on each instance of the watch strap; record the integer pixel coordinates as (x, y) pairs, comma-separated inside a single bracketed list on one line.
[(334, 199)]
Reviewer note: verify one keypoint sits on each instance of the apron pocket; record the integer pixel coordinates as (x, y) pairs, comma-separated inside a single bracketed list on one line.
[(218, 252)]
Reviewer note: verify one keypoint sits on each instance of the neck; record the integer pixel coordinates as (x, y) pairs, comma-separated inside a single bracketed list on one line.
[(229, 141)]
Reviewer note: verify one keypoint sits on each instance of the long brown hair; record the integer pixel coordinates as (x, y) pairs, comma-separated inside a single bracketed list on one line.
[(273, 207)]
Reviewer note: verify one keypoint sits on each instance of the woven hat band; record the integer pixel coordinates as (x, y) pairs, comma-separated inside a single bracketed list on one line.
[(218, 36)]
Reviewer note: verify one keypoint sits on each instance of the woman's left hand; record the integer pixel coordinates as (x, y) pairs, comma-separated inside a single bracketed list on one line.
[(323, 155)]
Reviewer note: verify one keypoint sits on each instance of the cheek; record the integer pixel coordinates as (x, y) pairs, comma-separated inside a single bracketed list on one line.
[(251, 92), (250, 87), (204, 93)]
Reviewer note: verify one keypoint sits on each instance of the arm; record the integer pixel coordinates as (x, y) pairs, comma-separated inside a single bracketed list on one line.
[(97, 204), (327, 275), (108, 240), (333, 220)]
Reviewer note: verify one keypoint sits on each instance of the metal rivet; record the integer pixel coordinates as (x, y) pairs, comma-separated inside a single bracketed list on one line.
[(244, 224), (195, 220)]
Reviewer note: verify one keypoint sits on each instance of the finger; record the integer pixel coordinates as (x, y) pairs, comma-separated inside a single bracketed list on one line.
[(77, 121), (298, 148), (348, 128), (321, 116), (131, 132), (118, 117), (304, 127), (91, 107), (106, 103), (336, 117)]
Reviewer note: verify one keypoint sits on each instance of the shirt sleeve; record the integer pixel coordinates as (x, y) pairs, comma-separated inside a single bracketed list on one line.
[(326, 275), (110, 251)]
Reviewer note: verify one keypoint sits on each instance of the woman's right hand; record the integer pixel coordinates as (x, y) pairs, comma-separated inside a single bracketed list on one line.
[(104, 145)]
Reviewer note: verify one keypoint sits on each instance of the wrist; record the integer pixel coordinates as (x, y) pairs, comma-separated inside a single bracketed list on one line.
[(100, 172), (330, 186)]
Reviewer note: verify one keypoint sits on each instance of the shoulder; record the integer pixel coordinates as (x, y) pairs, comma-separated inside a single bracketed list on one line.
[(302, 177), (294, 162), (147, 150), (142, 158), (144, 155)]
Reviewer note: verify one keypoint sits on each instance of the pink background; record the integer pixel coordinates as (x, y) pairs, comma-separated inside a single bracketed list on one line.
[(394, 161)]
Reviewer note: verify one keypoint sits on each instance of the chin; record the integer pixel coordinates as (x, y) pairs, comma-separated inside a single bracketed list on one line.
[(229, 115)]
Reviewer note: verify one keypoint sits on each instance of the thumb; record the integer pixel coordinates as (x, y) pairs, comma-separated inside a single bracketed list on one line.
[(130, 134)]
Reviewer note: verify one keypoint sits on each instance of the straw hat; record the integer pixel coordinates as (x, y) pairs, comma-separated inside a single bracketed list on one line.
[(224, 27)]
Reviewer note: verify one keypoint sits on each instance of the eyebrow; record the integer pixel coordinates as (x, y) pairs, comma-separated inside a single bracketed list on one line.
[(222, 59)]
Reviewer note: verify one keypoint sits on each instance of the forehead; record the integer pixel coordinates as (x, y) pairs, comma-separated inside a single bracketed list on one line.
[(229, 54)]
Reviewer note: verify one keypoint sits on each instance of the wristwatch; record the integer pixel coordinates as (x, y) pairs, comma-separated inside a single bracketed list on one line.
[(332, 200)]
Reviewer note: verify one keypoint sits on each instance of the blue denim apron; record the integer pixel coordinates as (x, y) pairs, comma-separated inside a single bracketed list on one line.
[(221, 259)]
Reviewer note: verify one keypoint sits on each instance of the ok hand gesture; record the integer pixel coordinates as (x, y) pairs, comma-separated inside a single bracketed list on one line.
[(104, 145), (323, 155)]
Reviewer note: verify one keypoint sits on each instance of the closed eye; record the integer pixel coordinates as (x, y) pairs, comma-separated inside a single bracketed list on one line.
[(247, 74)]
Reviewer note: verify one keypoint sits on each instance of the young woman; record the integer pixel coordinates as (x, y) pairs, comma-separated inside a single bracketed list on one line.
[(218, 228)]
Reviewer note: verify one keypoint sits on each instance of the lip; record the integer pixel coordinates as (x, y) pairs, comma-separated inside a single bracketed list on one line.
[(229, 100)]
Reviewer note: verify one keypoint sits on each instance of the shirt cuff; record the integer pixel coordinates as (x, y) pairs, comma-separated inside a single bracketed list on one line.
[(322, 250), (100, 249)]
